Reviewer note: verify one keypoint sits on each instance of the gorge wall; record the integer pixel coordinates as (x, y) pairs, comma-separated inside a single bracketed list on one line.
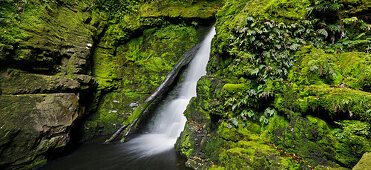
[(288, 82), (288, 87), (73, 70)]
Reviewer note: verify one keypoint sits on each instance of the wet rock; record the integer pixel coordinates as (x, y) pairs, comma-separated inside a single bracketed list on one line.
[(20, 82), (134, 105), (364, 163), (33, 124), (85, 79)]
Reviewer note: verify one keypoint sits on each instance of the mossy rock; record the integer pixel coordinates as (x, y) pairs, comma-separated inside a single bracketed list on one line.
[(343, 102), (364, 163), (195, 9), (142, 63), (33, 125), (48, 32), (21, 82), (315, 141), (350, 69), (233, 88), (133, 70)]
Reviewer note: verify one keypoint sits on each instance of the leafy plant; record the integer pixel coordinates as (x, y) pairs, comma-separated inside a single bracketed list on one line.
[(350, 127)]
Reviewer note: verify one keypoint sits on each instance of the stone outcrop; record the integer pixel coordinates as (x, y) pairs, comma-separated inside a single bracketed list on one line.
[(45, 78), (364, 163), (33, 124), (79, 65)]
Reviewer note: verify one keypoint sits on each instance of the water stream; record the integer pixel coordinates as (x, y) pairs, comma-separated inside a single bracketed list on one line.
[(154, 147)]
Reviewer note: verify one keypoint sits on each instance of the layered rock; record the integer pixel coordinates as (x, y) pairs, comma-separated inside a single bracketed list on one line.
[(63, 62), (33, 124), (45, 80)]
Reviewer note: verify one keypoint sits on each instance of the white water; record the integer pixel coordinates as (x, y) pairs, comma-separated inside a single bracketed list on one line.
[(170, 121)]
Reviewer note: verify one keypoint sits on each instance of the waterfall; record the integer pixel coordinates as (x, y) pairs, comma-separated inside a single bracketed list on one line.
[(153, 149), (169, 120)]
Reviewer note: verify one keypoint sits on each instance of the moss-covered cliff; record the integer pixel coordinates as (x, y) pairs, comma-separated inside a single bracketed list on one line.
[(288, 84), (45, 82), (136, 52), (287, 88), (72, 70)]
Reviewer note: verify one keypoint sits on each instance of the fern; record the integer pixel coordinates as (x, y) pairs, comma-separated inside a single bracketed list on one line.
[(323, 32)]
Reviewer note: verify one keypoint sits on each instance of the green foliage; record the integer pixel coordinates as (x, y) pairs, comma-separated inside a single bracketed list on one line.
[(312, 138), (268, 112), (316, 66), (233, 88), (354, 127), (324, 8), (271, 45), (155, 53), (133, 70), (281, 63), (181, 8)]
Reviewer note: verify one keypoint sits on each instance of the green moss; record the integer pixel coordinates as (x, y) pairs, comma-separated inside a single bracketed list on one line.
[(49, 28), (24, 119), (364, 163), (40, 160), (289, 9), (185, 143), (104, 68), (309, 140), (314, 140), (318, 67), (114, 108), (254, 155), (196, 9), (143, 62), (232, 88), (341, 100), (227, 132)]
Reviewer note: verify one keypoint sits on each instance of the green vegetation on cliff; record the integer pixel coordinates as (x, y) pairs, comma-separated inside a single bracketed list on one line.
[(137, 51), (287, 88), (136, 70), (288, 84)]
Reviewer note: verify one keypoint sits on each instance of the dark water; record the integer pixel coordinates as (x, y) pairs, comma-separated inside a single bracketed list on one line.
[(154, 148), (95, 155)]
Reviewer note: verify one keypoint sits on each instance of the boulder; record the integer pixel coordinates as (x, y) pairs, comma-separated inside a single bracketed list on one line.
[(32, 124), (364, 163)]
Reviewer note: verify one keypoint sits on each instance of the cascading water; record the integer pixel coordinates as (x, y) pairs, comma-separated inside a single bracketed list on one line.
[(154, 149), (170, 121)]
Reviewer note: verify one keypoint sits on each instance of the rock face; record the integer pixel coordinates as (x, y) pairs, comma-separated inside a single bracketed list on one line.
[(45, 78), (63, 61), (364, 163), (32, 125)]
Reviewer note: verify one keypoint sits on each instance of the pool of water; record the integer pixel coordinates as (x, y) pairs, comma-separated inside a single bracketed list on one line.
[(95, 155)]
